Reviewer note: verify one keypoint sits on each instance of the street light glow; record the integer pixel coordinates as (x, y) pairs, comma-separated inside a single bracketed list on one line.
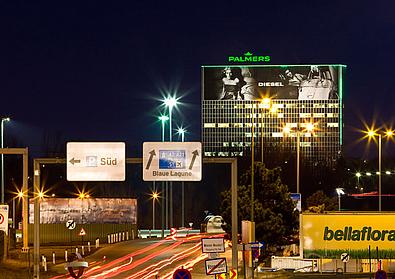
[(358, 174), (387, 172), (163, 118), (286, 130), (371, 133), (170, 102), (20, 194), (310, 127), (40, 194)]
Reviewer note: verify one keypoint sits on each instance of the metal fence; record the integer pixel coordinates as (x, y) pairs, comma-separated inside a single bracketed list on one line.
[(59, 233)]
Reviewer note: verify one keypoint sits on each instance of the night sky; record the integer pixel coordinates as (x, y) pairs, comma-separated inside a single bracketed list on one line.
[(96, 71)]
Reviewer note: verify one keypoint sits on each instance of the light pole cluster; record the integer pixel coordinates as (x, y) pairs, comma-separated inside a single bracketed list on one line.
[(308, 128), (372, 134), (170, 103)]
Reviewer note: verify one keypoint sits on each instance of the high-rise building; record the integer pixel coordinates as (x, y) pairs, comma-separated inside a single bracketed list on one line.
[(272, 108)]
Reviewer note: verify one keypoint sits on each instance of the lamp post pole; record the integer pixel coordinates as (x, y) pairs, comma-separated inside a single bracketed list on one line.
[(2, 157), (163, 120), (297, 161), (252, 165), (379, 172), (182, 131)]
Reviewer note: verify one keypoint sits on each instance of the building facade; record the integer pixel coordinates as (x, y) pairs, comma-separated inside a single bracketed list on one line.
[(272, 109)]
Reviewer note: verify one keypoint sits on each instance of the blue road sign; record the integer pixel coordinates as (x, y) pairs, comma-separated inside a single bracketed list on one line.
[(172, 159), (182, 274)]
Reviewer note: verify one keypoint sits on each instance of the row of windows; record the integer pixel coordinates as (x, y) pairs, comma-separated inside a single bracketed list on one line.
[(259, 125)]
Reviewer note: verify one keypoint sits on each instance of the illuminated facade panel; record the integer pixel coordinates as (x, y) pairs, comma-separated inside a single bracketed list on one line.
[(270, 106)]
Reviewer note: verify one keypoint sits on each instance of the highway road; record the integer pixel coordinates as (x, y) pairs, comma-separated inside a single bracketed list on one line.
[(145, 258)]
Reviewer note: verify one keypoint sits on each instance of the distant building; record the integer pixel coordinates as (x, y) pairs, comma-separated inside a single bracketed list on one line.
[(269, 106)]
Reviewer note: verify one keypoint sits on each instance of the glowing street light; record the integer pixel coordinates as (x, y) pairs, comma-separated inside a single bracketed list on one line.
[(309, 127), (181, 131), (371, 134), (163, 119), (339, 191), (154, 196), (170, 102), (3, 120)]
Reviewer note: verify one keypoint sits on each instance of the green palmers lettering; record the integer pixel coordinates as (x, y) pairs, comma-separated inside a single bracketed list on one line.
[(249, 57)]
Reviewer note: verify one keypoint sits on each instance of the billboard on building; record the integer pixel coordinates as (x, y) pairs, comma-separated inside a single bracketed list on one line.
[(300, 82), (329, 235), (86, 211)]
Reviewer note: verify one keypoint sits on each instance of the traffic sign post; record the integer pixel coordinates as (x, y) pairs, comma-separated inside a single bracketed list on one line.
[(213, 245), (345, 257), (182, 273), (95, 161), (216, 266), (172, 161)]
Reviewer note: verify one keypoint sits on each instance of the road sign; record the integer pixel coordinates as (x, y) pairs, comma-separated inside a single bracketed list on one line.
[(70, 224), (182, 274), (172, 161), (4, 218), (82, 232), (95, 161), (216, 266), (345, 257), (232, 274), (256, 244), (213, 245)]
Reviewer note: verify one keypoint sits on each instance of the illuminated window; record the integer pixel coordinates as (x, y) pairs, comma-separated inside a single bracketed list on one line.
[(280, 115), (209, 125), (238, 125), (304, 115), (225, 144), (319, 115), (332, 125), (277, 135), (223, 125)]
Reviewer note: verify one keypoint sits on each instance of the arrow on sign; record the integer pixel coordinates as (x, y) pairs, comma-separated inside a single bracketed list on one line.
[(232, 274), (152, 154), (74, 161), (195, 154)]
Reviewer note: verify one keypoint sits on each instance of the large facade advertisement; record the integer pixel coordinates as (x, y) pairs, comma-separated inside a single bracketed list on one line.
[(330, 235), (86, 211), (312, 82)]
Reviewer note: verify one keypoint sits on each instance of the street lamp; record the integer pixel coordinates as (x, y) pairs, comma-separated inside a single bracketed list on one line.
[(155, 196), (181, 131), (309, 127), (339, 191), (170, 103), (372, 135), (18, 196), (3, 120), (163, 119)]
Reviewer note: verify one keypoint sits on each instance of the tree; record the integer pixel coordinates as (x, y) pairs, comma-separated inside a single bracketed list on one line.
[(275, 217), (319, 202)]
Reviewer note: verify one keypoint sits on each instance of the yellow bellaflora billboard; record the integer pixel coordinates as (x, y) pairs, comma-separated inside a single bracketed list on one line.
[(329, 234)]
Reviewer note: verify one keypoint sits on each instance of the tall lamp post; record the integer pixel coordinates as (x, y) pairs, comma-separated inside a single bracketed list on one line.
[(181, 131), (372, 134), (339, 191), (309, 127), (170, 103), (155, 197), (3, 120), (163, 119)]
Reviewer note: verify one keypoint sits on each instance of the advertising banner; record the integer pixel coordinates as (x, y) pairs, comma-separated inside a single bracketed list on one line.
[(330, 235), (86, 211), (300, 82)]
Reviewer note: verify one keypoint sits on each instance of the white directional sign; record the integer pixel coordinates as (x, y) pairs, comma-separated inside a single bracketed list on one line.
[(213, 245), (4, 218), (96, 161), (172, 161)]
